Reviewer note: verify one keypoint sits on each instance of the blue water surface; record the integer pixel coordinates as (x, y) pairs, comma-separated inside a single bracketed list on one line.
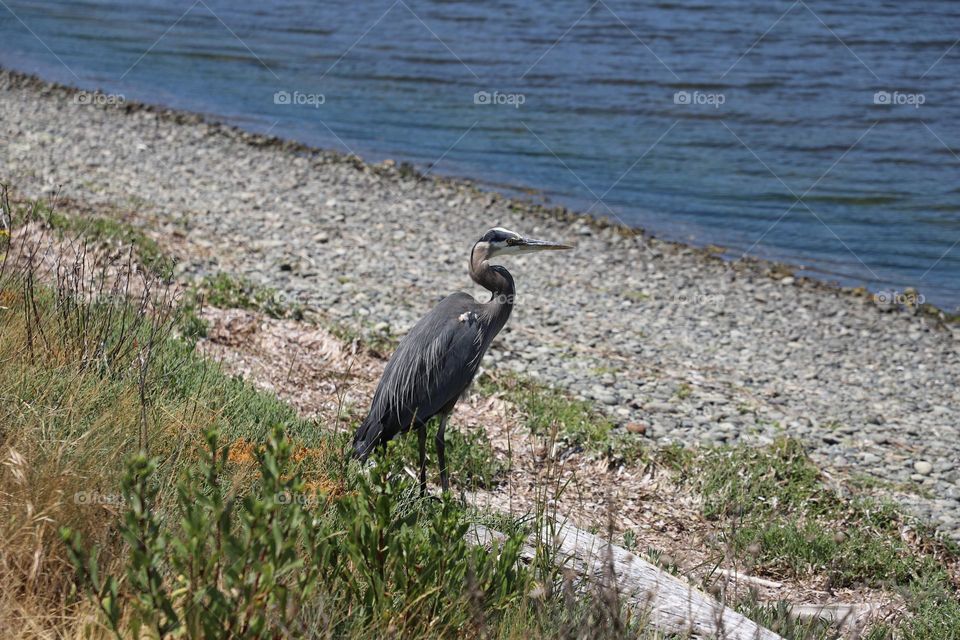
[(821, 134)]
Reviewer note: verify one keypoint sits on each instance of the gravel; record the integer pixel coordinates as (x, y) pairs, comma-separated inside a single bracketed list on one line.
[(695, 348)]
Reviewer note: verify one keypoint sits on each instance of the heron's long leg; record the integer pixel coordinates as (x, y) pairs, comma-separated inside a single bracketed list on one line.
[(441, 457), (422, 449)]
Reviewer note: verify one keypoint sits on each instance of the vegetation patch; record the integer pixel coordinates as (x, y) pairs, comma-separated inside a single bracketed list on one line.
[(777, 517), (126, 514), (469, 454), (229, 292), (98, 230), (377, 341), (281, 560), (151, 527), (570, 425)]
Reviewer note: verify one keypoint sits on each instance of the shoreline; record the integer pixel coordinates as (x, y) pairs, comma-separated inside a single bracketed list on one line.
[(708, 251), (696, 348)]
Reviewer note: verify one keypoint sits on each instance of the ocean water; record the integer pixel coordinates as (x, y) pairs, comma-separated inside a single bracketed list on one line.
[(820, 134)]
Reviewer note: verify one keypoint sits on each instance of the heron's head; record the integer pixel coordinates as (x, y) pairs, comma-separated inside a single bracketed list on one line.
[(499, 242)]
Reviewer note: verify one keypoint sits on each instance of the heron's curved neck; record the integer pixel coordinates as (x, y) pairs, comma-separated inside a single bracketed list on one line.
[(494, 278), (498, 281)]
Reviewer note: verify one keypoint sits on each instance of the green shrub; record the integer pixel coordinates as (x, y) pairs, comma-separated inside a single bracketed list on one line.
[(263, 564)]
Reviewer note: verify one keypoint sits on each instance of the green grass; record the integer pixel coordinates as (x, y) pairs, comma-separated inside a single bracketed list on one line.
[(229, 292), (777, 618), (778, 518), (255, 540), (469, 455), (378, 343), (100, 230), (83, 388), (774, 499), (204, 543), (865, 481), (376, 561)]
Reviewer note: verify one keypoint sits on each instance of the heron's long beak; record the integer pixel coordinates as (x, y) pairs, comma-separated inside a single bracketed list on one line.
[(531, 244)]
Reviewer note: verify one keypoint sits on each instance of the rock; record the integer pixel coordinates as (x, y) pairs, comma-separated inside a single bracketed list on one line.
[(637, 427), (659, 407), (922, 467)]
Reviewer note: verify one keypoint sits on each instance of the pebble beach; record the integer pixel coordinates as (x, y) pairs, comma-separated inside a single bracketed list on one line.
[(672, 340)]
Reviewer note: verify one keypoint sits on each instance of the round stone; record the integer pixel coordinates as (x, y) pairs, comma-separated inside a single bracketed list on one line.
[(922, 467), (636, 427)]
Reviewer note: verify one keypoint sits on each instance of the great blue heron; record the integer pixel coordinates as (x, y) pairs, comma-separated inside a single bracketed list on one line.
[(437, 360)]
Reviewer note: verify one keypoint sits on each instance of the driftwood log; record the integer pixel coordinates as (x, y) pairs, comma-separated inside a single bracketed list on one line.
[(666, 602)]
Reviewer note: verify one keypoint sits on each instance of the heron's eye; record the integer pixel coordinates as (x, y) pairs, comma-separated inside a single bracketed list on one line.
[(513, 241)]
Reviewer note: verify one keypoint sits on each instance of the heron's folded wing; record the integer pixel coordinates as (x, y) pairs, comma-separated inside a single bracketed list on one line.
[(434, 363)]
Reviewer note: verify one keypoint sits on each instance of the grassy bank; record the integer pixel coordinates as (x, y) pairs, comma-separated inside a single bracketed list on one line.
[(149, 493)]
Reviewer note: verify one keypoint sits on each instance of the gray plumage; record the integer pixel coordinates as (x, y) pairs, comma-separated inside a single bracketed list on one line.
[(437, 360)]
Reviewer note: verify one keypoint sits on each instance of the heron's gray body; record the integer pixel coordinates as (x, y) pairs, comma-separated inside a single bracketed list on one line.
[(437, 360), (432, 367)]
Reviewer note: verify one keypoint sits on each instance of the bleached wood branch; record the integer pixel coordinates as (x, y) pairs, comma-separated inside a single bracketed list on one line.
[(667, 602), (751, 580)]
